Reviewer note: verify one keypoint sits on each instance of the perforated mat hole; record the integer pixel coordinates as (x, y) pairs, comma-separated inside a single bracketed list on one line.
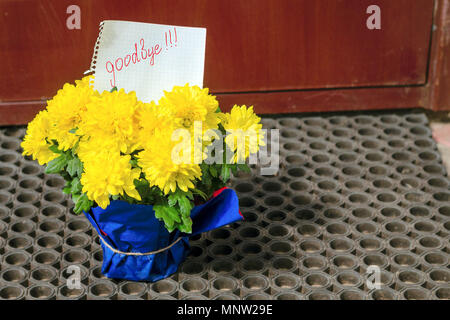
[(440, 276), (395, 227), (327, 185), (191, 267), (41, 292), (249, 248), (48, 241), (316, 280), (443, 293), (419, 211), (244, 187), (102, 289), (283, 264), (430, 242), (433, 169), (278, 231), (222, 266), (352, 295), (375, 259), (307, 230), (55, 182), (370, 244), (400, 243), (438, 182), (321, 295), (194, 285), (314, 262), (6, 171), (273, 201), (71, 293), (14, 275), (133, 288), (247, 202), (337, 229), (249, 232), (296, 172), (366, 228), (77, 241), (415, 294), (344, 261), (27, 197), (253, 265), (51, 226), (294, 159), (46, 257), (299, 185), (362, 213), (220, 234), (23, 226), (348, 278), (30, 170), (224, 284), (19, 242), (221, 250), (435, 258), (383, 294), (276, 215), (410, 277), (285, 281), (25, 212), (405, 260), (424, 226), (11, 292), (354, 184), (43, 274), (255, 282), (78, 225), (304, 214), (442, 196), (341, 244), (52, 211)]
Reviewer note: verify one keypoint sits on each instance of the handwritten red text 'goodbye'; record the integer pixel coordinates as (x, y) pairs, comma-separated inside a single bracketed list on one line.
[(135, 57)]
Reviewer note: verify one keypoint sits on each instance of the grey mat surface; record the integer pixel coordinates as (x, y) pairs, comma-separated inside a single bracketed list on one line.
[(353, 191)]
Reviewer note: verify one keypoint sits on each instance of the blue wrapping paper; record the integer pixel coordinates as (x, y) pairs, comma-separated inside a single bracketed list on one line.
[(134, 228)]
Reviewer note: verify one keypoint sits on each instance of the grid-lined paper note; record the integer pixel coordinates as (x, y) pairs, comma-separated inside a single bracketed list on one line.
[(148, 58)]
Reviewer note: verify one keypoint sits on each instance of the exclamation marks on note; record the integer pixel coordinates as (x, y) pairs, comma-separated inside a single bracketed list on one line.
[(171, 38)]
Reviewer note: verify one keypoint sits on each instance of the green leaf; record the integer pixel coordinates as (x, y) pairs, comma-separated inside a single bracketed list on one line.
[(201, 194), (73, 130), (244, 167), (76, 186), (75, 167), (113, 89), (57, 164), (54, 148), (213, 171), (225, 173), (233, 169), (82, 203)]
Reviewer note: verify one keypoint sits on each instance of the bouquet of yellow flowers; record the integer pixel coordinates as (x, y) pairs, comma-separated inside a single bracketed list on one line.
[(170, 154)]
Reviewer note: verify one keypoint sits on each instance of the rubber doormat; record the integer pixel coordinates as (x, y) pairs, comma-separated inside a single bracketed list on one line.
[(358, 198)]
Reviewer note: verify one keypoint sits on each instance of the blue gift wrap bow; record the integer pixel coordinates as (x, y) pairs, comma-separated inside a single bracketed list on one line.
[(129, 232)]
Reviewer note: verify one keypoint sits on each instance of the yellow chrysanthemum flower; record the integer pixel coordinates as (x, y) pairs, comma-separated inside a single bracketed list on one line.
[(150, 118), (65, 110), (108, 174), (188, 104), (242, 126), (159, 167), (113, 116), (35, 144)]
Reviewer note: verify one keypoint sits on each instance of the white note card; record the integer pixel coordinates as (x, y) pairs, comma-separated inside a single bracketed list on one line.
[(147, 58)]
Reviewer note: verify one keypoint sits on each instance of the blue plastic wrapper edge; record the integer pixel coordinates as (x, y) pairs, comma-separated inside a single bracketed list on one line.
[(134, 228)]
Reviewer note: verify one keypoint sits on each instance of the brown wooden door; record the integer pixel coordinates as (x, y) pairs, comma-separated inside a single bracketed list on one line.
[(255, 48)]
